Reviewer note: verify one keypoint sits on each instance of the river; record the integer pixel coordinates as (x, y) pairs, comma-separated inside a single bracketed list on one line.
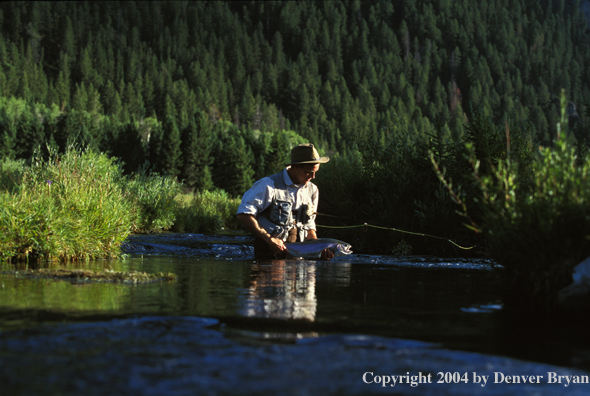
[(230, 324)]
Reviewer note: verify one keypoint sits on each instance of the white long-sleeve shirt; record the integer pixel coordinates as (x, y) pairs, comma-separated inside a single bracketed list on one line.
[(261, 195)]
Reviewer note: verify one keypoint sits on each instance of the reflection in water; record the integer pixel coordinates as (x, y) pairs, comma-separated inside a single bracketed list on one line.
[(286, 289), (282, 289)]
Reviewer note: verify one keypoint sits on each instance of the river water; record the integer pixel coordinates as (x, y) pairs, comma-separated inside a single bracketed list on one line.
[(230, 324)]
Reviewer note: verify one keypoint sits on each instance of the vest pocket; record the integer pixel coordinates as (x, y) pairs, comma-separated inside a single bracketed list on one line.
[(280, 212)]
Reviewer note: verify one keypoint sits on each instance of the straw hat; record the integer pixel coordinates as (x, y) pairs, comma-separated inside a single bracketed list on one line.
[(306, 154)]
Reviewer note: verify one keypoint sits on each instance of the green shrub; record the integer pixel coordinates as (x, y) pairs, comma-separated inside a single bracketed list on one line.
[(10, 174), (153, 196), (66, 207), (540, 231), (533, 211), (206, 211)]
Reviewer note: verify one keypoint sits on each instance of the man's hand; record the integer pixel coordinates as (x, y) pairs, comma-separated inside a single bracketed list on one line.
[(277, 246), (327, 254)]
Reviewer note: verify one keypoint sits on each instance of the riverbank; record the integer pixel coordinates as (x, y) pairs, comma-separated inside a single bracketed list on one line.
[(79, 206)]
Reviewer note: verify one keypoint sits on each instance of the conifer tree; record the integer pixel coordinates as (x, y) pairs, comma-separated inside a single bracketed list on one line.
[(171, 153), (197, 144), (233, 159), (278, 153)]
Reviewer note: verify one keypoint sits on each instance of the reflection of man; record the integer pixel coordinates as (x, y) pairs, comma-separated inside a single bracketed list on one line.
[(282, 290), (282, 207)]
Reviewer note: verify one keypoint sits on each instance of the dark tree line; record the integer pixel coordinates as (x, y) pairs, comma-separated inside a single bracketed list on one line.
[(212, 92)]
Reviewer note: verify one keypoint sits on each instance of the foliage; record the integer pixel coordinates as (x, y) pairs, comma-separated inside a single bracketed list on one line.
[(11, 172), (216, 93), (78, 205), (388, 183), (153, 196), (66, 207), (538, 233), (206, 211), (94, 72), (534, 215)]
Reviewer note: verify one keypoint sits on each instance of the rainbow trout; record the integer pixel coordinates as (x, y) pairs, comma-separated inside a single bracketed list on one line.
[(313, 248)]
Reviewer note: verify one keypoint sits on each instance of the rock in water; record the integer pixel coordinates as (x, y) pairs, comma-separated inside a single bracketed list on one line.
[(578, 293)]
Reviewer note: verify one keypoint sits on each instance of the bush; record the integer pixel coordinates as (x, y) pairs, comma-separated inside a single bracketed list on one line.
[(68, 207), (10, 174), (206, 211), (533, 211), (539, 232), (78, 205), (153, 196)]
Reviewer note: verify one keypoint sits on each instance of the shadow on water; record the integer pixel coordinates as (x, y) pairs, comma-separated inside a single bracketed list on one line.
[(293, 318)]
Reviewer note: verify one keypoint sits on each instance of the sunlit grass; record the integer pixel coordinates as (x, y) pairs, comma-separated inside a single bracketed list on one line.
[(78, 206), (66, 207), (153, 197), (207, 211)]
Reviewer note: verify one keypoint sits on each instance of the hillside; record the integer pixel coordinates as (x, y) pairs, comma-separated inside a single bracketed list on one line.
[(209, 90)]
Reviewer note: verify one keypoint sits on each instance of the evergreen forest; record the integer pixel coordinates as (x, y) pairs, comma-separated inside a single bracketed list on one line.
[(216, 92)]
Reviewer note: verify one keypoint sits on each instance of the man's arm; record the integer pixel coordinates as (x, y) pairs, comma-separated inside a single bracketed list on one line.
[(311, 235), (251, 224)]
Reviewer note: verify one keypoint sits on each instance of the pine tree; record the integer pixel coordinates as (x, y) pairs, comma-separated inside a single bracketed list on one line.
[(247, 104), (197, 144), (233, 171), (80, 99), (171, 154), (278, 153)]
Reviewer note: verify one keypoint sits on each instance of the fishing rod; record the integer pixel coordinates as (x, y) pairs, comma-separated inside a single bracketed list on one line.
[(391, 229)]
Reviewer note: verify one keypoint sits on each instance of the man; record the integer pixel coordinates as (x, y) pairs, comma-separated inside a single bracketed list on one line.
[(282, 207)]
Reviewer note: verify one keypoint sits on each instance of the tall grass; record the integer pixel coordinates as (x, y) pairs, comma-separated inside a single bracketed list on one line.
[(66, 207), (206, 211), (153, 197), (78, 205), (11, 172)]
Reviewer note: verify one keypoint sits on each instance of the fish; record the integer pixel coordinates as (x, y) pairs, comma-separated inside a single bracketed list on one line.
[(313, 248)]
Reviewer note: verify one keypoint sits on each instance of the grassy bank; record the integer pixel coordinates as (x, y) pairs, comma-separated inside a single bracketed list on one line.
[(63, 207), (78, 205)]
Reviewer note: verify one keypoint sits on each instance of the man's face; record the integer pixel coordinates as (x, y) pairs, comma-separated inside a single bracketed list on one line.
[(301, 174)]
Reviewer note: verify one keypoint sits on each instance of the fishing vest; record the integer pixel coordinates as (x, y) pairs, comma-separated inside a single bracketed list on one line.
[(279, 218)]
